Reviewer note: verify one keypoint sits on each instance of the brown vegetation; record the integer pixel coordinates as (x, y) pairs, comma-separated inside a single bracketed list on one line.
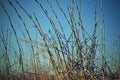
[(68, 58)]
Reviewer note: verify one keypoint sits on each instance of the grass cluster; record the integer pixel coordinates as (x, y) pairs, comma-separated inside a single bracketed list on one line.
[(72, 57)]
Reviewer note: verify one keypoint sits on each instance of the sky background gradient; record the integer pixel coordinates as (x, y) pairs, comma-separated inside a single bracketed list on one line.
[(111, 17)]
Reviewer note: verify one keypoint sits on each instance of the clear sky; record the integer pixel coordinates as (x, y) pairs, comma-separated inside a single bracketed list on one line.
[(111, 16)]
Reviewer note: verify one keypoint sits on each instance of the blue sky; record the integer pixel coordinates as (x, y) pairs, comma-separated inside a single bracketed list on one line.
[(111, 17)]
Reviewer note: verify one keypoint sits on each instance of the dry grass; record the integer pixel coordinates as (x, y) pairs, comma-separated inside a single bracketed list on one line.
[(69, 58)]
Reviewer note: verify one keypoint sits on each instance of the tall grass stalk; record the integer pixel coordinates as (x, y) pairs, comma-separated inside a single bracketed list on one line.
[(7, 59), (15, 37), (27, 34), (30, 17)]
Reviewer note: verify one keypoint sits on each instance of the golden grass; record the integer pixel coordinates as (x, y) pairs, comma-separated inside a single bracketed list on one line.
[(69, 58)]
